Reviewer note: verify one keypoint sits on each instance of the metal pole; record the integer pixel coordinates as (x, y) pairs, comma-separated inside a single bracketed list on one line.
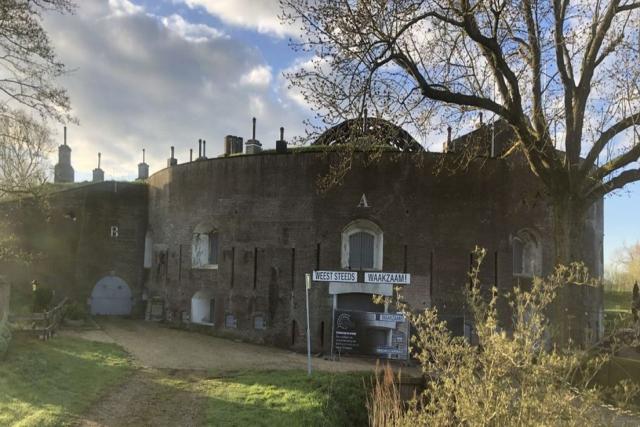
[(307, 278), (333, 324)]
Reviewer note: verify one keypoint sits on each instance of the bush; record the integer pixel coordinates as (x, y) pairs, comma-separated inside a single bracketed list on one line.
[(75, 311), (42, 299), (509, 378)]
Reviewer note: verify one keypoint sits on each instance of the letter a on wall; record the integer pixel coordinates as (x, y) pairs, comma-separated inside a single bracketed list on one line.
[(363, 202)]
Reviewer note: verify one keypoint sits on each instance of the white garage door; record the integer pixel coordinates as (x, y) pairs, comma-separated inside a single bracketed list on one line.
[(111, 296)]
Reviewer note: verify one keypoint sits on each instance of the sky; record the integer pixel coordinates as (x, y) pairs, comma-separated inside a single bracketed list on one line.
[(158, 73)]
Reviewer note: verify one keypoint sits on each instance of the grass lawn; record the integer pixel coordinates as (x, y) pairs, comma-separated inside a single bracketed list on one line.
[(45, 384), (273, 398), (617, 301), (59, 381)]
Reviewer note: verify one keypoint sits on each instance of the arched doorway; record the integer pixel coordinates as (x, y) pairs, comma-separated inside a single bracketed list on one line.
[(111, 296), (203, 307)]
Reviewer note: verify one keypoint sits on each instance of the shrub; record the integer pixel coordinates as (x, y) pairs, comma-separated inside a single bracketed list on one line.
[(510, 378), (75, 311), (42, 299)]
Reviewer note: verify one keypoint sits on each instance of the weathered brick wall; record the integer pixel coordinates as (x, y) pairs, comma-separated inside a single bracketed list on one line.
[(70, 235), (269, 204), (5, 293)]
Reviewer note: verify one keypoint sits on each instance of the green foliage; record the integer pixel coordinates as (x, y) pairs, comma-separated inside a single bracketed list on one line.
[(50, 383), (42, 299), (75, 311)]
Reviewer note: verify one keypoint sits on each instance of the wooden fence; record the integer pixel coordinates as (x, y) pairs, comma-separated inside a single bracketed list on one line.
[(44, 325)]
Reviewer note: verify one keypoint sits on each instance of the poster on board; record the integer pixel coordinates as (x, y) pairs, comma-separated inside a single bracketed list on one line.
[(385, 335)]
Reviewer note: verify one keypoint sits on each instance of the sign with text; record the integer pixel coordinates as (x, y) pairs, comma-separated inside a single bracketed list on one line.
[(383, 335), (335, 276), (393, 278)]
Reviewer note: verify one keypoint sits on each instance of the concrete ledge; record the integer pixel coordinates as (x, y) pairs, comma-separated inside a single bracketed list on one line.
[(336, 288)]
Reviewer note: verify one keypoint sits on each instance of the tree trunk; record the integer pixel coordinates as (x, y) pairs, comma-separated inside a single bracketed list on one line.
[(576, 309), (569, 217)]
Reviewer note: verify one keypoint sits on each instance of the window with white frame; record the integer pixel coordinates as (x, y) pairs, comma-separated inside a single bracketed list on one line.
[(362, 243), (205, 247), (527, 254)]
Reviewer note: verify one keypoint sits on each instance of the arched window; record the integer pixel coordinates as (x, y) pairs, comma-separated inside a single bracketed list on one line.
[(203, 307), (362, 242), (148, 250), (204, 247), (527, 254)]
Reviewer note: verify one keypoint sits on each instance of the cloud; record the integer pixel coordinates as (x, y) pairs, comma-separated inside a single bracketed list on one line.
[(143, 81), (192, 32), (124, 7), (261, 15), (259, 76)]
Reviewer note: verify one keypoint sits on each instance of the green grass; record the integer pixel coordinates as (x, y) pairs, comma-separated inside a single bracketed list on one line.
[(274, 398), (50, 383), (617, 301)]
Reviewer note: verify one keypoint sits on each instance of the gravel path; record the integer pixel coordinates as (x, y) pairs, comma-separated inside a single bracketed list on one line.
[(155, 346)]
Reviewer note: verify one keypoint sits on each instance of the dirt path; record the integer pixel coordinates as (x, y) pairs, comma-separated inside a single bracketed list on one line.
[(155, 346), (146, 400), (163, 390)]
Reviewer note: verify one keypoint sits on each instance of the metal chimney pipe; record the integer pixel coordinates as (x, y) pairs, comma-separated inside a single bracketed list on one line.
[(191, 154), (65, 135), (172, 151), (204, 148), (364, 120), (481, 118), (254, 129), (143, 155), (99, 156), (199, 148), (281, 134)]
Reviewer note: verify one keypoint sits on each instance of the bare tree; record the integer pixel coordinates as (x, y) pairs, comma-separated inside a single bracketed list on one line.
[(563, 74), (28, 63), (25, 144), (625, 268), (24, 147)]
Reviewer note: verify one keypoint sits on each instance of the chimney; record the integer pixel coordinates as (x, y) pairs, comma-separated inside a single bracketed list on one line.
[(481, 119), (63, 171), (364, 121), (228, 145), (172, 161), (191, 154), (253, 145), (143, 168), (238, 145), (98, 174), (204, 149), (281, 144), (232, 145), (199, 148), (447, 147)]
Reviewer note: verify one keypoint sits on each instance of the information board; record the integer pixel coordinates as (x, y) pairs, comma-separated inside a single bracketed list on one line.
[(384, 335)]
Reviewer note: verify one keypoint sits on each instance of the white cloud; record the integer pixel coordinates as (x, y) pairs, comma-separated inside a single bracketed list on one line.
[(124, 7), (259, 76), (192, 32), (136, 85), (261, 15)]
